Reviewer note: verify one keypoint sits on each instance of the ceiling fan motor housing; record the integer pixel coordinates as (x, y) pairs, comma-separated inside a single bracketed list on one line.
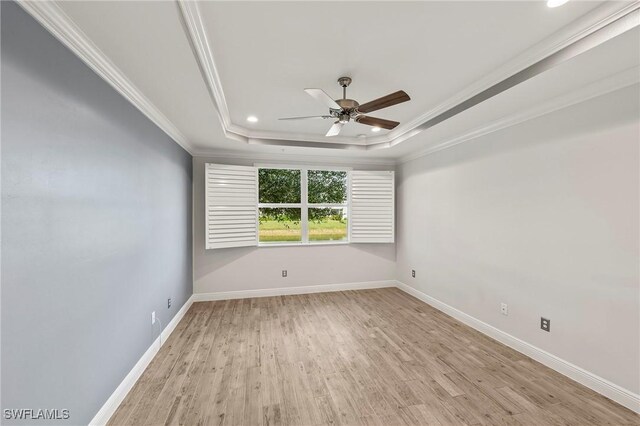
[(347, 106), (347, 111)]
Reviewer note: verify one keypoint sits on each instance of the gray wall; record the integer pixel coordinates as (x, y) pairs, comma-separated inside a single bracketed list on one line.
[(96, 227), (542, 216), (255, 268)]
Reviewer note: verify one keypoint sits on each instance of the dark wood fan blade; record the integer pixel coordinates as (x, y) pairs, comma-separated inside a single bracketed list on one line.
[(377, 122), (385, 102)]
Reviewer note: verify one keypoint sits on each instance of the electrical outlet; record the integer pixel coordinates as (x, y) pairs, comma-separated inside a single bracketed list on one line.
[(504, 309), (153, 317), (284, 273), (168, 303), (413, 273), (545, 324)]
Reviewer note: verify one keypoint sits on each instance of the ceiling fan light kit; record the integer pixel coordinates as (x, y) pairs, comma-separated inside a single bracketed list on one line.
[(344, 110)]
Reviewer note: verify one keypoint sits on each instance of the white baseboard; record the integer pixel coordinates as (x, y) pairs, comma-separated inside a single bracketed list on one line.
[(604, 387), (109, 407), (269, 292)]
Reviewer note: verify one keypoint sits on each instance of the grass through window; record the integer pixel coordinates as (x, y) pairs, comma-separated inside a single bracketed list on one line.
[(279, 225), (327, 224)]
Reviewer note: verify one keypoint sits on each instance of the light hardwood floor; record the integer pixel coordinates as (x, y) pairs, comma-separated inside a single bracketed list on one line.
[(369, 357)]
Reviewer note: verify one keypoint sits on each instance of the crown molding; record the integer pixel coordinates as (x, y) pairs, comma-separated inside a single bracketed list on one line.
[(573, 33), (50, 16), (601, 87), (60, 25), (197, 35), (569, 35), (295, 158)]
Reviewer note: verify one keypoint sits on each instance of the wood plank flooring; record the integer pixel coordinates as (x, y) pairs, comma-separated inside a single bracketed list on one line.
[(368, 357)]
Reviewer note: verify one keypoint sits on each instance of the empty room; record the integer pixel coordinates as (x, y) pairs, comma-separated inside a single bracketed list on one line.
[(320, 213)]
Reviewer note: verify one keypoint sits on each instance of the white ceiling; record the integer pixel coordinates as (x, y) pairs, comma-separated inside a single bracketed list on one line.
[(265, 53)]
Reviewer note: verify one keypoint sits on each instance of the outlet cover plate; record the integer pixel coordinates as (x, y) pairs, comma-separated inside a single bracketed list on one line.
[(545, 324), (504, 309)]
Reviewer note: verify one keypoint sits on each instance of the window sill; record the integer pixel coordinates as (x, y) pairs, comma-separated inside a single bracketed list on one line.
[(331, 243)]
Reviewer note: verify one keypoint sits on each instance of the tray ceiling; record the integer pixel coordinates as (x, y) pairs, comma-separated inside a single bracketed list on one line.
[(267, 52), (264, 54)]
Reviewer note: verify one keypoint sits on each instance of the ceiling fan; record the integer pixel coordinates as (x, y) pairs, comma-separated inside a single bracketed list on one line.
[(343, 110)]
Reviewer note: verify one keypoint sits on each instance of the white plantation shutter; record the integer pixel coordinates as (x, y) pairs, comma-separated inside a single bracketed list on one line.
[(372, 207), (232, 206)]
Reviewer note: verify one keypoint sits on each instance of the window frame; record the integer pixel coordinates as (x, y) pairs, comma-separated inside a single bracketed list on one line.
[(304, 204)]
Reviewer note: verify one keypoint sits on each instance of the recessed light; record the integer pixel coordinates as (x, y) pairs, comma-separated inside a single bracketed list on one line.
[(252, 119), (556, 3), (375, 129)]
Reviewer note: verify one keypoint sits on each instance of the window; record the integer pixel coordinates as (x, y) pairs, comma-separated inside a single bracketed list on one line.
[(279, 205), (328, 218), (302, 205), (249, 206)]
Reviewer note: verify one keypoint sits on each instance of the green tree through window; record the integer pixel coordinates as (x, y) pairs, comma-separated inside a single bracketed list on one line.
[(282, 210)]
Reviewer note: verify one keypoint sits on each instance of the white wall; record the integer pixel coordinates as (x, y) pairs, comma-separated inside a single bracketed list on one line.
[(253, 268), (543, 216)]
